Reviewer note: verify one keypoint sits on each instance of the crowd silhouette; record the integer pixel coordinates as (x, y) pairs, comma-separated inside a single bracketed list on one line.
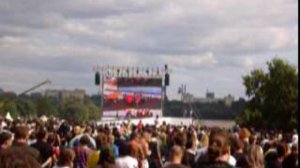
[(58, 143)]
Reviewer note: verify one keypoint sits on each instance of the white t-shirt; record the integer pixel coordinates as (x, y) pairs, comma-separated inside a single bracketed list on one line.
[(127, 162), (61, 166), (145, 163), (200, 152), (232, 160)]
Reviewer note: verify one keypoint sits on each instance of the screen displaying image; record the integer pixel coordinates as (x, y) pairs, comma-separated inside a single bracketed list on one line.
[(131, 96)]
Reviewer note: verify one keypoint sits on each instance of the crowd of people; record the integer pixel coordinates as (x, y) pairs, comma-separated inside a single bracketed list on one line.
[(56, 143)]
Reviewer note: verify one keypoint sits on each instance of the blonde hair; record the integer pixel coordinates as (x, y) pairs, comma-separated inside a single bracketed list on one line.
[(204, 141), (255, 157)]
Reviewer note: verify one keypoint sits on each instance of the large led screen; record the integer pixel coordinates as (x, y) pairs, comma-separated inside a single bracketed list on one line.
[(136, 97)]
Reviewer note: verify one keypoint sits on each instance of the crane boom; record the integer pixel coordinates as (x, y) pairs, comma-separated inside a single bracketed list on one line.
[(36, 86)]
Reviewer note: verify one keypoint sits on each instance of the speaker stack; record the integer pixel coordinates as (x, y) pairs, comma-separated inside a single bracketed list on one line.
[(97, 78)]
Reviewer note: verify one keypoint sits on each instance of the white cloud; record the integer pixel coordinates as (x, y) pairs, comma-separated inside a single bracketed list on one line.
[(10, 41), (206, 60), (248, 63), (207, 43), (77, 28)]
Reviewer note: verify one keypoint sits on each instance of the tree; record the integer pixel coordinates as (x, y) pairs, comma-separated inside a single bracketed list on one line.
[(74, 110), (93, 110), (10, 106), (44, 106), (273, 96), (26, 107)]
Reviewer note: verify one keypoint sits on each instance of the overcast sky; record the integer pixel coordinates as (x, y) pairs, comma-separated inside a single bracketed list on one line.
[(208, 44)]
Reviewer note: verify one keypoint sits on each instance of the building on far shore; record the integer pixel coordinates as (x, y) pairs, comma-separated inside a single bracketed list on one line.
[(77, 94), (7, 94), (36, 95), (228, 100), (210, 98)]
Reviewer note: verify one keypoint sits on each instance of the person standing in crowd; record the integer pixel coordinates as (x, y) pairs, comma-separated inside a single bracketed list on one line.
[(291, 161), (145, 152), (20, 141), (218, 152), (17, 157), (77, 136), (190, 151), (128, 156), (255, 157), (201, 152), (281, 152), (43, 147), (144, 146), (175, 158), (111, 140), (6, 140), (270, 155), (101, 141), (155, 158), (240, 155), (66, 158), (55, 144), (82, 152), (107, 158), (64, 132)]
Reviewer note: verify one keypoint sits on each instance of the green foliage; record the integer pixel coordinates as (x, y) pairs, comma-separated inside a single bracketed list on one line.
[(79, 110), (44, 106), (254, 118), (26, 108), (173, 108), (18, 107), (29, 107), (94, 111), (273, 96), (74, 110), (205, 110), (11, 107)]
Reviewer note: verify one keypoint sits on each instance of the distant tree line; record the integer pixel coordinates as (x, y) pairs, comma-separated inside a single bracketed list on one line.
[(90, 109), (31, 107), (200, 110)]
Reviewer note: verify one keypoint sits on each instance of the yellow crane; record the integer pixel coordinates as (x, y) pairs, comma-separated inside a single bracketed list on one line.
[(47, 81)]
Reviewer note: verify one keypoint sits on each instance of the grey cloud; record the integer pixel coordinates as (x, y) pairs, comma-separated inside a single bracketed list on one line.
[(62, 38)]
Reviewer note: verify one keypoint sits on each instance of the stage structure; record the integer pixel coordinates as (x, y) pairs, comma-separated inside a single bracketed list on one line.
[(131, 92)]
